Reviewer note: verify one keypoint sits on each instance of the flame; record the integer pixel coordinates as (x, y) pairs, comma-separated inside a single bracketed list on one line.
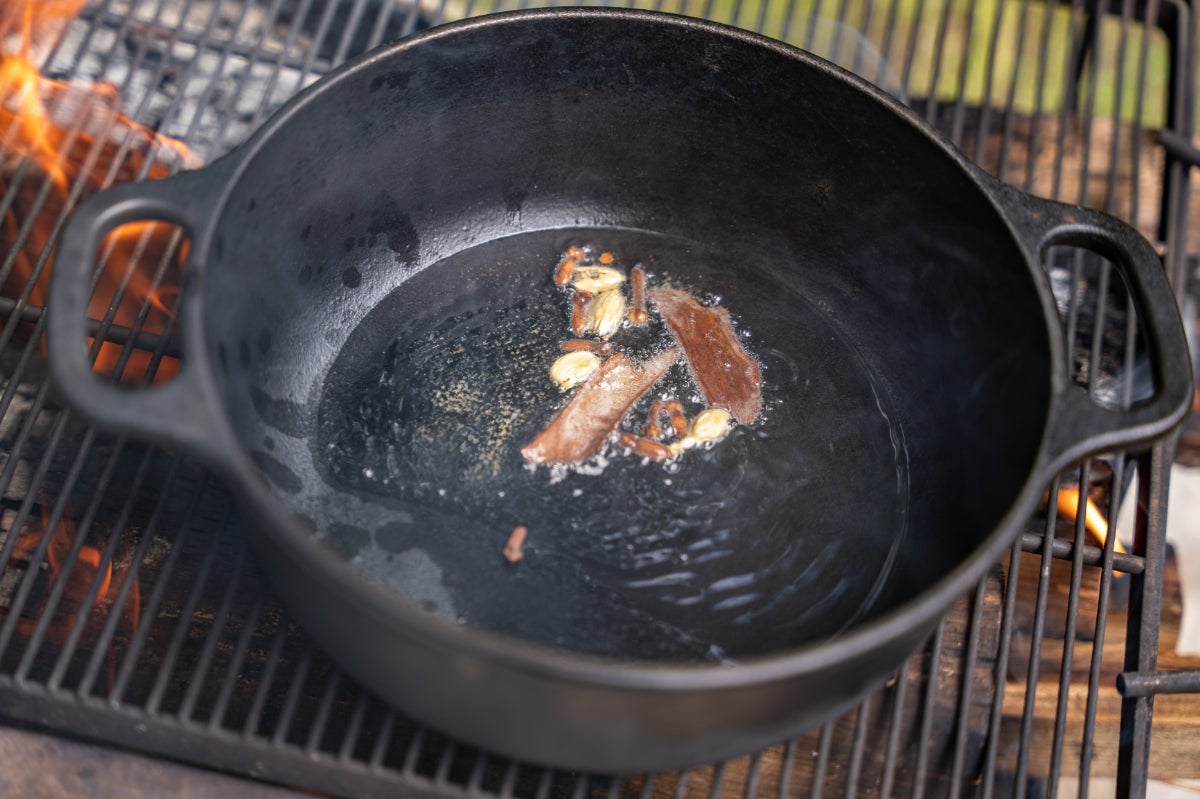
[(1093, 519), (71, 140), (88, 568)]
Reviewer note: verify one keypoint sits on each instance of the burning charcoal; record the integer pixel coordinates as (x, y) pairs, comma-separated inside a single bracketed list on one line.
[(727, 376), (582, 426)]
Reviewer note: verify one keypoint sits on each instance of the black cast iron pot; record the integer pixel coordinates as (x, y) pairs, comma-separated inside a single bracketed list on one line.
[(368, 318)]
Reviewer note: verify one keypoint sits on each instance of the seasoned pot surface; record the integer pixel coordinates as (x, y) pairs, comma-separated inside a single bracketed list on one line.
[(381, 318), (781, 533)]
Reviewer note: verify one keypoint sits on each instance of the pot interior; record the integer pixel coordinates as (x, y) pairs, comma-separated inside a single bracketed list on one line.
[(381, 317)]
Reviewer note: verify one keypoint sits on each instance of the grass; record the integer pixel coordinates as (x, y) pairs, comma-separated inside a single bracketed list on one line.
[(1008, 53)]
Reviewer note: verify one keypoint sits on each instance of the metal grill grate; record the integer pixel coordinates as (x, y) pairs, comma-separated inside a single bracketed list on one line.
[(185, 654)]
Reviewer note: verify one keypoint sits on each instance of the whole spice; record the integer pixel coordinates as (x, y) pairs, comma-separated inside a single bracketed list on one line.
[(578, 344), (604, 313), (651, 428), (637, 310), (580, 429), (645, 447), (709, 425), (573, 368), (512, 547), (565, 271), (727, 376), (579, 305), (596, 279), (679, 422)]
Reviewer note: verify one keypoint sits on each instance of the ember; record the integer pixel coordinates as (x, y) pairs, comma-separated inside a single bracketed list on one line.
[(62, 142)]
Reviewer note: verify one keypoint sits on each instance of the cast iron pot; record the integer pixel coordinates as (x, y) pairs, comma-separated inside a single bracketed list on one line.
[(368, 317)]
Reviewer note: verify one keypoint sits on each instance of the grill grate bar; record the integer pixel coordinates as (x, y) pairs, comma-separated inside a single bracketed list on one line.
[(293, 698), (277, 69), (353, 771), (210, 644), (254, 717), (1008, 119), (751, 789), (785, 770), (1064, 549), (36, 211), (318, 37), (67, 654), (1089, 103), (856, 750), (149, 612), (958, 117), (16, 608), (1043, 69), (997, 709), (962, 722), (1089, 729), (202, 41), (236, 662), (681, 784), (1064, 684), (314, 736), (718, 779), (818, 780), (385, 739), (473, 787), (351, 26), (116, 334), (927, 711), (224, 52), (81, 532), (939, 57), (252, 55), (1039, 627), (354, 729), (911, 50), (1145, 609), (123, 593), (894, 723)]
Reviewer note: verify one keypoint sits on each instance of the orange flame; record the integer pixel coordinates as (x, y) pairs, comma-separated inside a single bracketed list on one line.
[(1093, 519), (77, 141), (80, 576)]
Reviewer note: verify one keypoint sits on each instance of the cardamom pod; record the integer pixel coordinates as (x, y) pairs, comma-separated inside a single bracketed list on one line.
[(604, 313), (573, 368), (595, 279)]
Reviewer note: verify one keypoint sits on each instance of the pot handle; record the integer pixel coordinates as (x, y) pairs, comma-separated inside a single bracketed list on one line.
[(176, 412), (1080, 426)]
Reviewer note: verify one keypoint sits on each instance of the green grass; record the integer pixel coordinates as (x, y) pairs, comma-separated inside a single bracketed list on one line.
[(1032, 43)]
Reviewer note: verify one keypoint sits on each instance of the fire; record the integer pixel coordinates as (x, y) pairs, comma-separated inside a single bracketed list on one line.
[(88, 569), (1093, 519), (61, 142)]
